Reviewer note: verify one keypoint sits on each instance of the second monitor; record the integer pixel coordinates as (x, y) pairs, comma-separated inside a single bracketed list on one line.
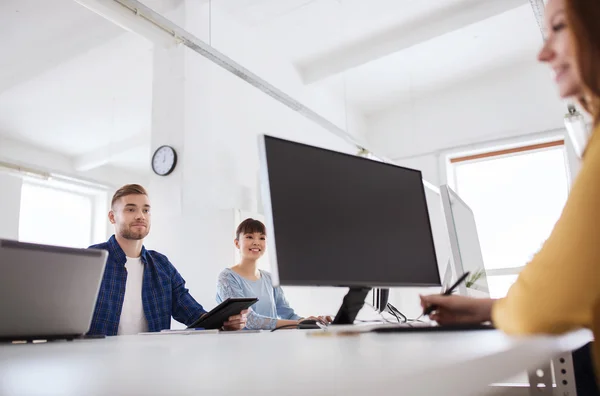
[(343, 220)]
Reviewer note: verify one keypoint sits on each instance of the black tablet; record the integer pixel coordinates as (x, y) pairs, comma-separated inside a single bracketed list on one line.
[(219, 315)]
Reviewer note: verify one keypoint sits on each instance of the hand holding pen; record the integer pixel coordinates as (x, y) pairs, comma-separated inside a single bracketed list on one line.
[(447, 309), (432, 307)]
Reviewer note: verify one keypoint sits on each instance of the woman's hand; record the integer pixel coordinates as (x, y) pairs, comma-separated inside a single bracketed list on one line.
[(236, 322), (321, 319), (458, 309)]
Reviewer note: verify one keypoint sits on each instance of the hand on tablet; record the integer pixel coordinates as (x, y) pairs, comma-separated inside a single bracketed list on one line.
[(236, 322)]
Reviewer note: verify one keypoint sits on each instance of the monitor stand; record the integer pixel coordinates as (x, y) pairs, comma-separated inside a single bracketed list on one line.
[(351, 305)]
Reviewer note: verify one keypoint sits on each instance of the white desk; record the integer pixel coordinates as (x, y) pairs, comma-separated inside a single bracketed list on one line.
[(282, 363)]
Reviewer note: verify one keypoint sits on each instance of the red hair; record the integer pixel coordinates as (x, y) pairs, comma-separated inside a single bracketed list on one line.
[(584, 23)]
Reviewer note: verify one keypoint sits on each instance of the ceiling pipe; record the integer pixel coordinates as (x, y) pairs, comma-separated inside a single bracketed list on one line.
[(538, 8)]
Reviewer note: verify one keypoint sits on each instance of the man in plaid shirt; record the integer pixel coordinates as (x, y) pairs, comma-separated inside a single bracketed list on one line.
[(141, 290)]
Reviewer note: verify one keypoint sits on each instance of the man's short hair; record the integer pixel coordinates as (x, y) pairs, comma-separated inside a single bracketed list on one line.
[(128, 189)]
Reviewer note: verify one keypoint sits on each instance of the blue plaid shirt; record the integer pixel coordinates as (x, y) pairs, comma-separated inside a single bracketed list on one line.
[(163, 292)]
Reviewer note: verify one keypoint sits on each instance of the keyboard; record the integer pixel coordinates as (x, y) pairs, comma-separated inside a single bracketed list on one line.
[(415, 327)]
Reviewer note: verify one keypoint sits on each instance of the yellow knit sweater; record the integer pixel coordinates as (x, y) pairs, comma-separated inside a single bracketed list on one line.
[(559, 290)]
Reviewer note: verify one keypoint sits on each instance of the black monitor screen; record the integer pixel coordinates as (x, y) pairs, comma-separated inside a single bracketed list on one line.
[(343, 220)]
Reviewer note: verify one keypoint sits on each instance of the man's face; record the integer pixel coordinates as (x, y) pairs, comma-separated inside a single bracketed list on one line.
[(131, 216)]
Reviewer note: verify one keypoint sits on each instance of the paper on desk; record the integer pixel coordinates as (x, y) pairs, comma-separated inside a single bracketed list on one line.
[(183, 332)]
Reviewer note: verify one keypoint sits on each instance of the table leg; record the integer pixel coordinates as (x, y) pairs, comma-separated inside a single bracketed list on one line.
[(540, 381), (564, 373)]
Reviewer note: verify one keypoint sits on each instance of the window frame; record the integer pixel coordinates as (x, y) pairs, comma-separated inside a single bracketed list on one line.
[(98, 199), (451, 159)]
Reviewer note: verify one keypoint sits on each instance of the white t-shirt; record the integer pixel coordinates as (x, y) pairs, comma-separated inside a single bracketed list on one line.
[(133, 320)]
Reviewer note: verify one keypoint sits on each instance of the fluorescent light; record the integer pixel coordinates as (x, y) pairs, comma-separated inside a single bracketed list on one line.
[(130, 18), (578, 130), (6, 167)]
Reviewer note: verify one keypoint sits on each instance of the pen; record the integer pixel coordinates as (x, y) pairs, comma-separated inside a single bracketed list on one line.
[(433, 307)]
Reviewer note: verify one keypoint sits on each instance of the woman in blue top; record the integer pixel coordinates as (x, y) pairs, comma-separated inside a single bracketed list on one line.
[(245, 280)]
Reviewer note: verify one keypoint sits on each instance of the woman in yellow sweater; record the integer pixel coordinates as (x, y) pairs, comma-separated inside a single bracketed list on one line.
[(559, 290)]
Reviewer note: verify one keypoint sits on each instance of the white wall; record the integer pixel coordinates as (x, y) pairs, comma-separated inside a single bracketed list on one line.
[(428, 164), (214, 118), (258, 54), (513, 101), (10, 204)]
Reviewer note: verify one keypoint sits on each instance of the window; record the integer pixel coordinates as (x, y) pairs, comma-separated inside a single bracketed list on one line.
[(517, 196), (56, 215)]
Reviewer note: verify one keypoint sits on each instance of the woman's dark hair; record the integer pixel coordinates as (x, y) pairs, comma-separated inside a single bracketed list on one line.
[(584, 17), (250, 226)]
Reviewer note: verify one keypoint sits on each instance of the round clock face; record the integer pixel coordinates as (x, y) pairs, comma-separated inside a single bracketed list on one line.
[(164, 160)]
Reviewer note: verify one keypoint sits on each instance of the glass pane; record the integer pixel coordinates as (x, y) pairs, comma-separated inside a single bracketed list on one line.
[(55, 217), (499, 284), (516, 201)]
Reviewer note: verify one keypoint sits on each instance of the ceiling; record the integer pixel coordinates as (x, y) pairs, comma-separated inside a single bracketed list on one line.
[(453, 58), (36, 36), (96, 98), (75, 83), (387, 50), (308, 27)]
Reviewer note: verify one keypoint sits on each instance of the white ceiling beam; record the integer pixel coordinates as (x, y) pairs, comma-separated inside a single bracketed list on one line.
[(42, 58), (133, 22), (106, 154), (137, 17), (437, 23), (145, 15), (74, 39)]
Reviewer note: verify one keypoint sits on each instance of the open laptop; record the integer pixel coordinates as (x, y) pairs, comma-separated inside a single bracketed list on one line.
[(47, 291)]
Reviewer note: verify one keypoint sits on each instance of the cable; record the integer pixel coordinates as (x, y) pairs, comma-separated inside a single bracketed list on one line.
[(380, 314), (391, 308), (394, 315), (418, 319), (396, 312)]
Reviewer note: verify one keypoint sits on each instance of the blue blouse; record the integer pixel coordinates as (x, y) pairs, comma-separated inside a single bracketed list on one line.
[(271, 304)]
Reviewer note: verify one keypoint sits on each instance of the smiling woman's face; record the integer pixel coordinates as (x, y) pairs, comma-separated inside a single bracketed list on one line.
[(558, 51), (252, 245)]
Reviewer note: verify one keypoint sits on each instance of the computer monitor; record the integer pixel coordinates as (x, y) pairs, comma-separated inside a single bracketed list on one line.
[(464, 243), (343, 220)]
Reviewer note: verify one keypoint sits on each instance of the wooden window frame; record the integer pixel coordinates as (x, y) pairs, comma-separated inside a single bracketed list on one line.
[(515, 150)]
